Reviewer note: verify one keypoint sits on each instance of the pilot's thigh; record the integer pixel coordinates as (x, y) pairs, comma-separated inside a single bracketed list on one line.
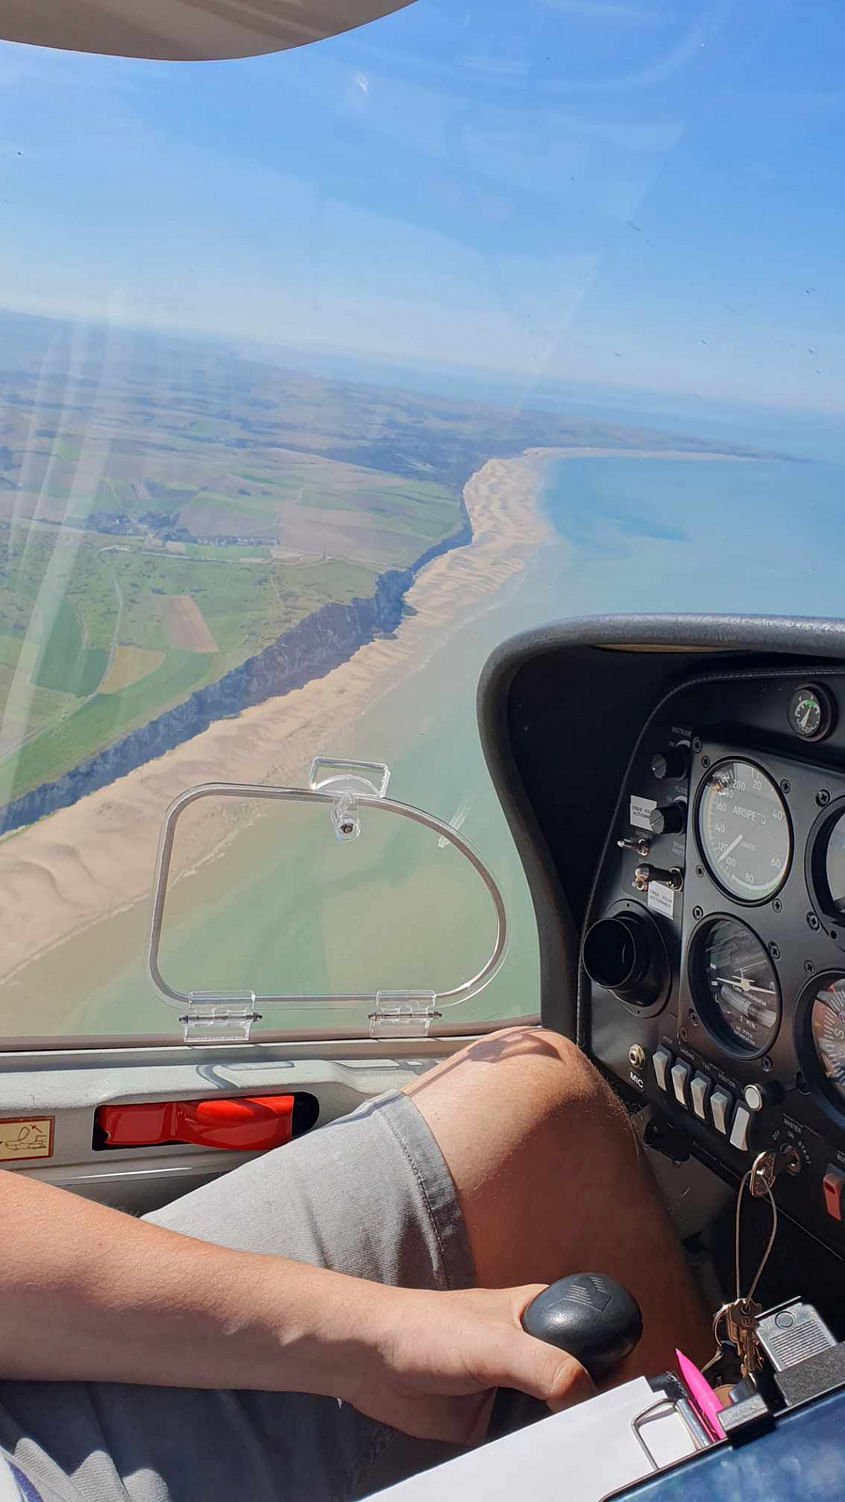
[(369, 1194)]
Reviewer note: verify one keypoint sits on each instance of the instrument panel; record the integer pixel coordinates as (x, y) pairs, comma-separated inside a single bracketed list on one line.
[(712, 975)]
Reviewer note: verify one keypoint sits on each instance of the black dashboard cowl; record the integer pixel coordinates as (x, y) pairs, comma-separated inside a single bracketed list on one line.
[(560, 710)]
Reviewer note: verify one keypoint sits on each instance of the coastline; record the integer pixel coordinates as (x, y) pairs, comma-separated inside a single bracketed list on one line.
[(90, 861), (94, 859), (321, 640)]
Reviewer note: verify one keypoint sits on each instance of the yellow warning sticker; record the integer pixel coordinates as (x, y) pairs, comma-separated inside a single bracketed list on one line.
[(26, 1137)]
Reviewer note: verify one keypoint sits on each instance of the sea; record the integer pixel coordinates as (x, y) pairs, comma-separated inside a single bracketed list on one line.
[(286, 908)]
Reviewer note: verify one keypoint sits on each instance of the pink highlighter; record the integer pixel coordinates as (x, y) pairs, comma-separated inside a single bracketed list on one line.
[(704, 1400)]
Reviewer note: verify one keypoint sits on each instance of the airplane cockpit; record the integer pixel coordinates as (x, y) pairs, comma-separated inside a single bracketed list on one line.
[(420, 618), (672, 786)]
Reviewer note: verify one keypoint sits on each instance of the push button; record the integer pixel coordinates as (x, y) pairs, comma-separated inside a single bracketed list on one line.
[(699, 1090), (662, 1059), (739, 1130), (754, 1097), (680, 1082), (833, 1185), (720, 1109)]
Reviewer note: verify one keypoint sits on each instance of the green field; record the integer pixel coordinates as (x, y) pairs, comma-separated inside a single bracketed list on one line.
[(102, 720), (66, 663), (58, 643)]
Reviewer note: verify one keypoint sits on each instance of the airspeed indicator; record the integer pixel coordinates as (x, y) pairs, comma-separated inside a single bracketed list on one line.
[(743, 830)]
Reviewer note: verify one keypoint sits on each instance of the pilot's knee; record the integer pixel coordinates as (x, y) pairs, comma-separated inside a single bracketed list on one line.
[(523, 1083), (535, 1063), (563, 1100), (568, 1073)]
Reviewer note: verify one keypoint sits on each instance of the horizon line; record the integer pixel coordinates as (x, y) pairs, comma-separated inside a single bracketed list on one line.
[(553, 384)]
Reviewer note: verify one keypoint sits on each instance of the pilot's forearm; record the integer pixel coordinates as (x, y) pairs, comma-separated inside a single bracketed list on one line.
[(89, 1293)]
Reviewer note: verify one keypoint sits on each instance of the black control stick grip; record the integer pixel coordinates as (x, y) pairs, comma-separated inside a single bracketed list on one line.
[(589, 1315)]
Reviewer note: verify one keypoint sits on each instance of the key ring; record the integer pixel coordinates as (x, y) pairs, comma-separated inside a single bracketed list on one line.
[(746, 1179), (730, 1322)]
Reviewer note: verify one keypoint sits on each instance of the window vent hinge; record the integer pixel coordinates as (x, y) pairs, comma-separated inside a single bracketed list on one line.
[(403, 1014), (217, 1017)]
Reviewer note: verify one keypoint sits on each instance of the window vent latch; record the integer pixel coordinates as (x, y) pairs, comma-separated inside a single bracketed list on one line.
[(219, 1017), (403, 1014), (346, 782)]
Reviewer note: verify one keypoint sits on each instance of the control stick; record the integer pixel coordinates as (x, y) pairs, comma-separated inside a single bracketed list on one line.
[(590, 1316)]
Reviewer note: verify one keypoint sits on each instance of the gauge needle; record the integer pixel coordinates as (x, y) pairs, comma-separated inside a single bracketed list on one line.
[(732, 846), (744, 984), (806, 718)]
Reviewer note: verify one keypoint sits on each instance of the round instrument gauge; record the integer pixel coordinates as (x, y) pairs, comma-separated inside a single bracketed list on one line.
[(734, 985), (811, 712), (834, 864), (743, 830), (827, 864), (827, 1033)]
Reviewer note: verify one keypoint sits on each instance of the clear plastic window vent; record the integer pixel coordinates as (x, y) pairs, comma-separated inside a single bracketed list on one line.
[(273, 903)]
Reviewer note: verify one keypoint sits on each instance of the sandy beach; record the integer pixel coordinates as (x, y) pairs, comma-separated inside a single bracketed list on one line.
[(86, 863)]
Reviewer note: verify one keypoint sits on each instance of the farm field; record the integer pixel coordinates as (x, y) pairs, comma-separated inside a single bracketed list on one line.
[(98, 637)]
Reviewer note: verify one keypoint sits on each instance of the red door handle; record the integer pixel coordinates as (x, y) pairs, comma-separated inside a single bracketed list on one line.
[(243, 1123)]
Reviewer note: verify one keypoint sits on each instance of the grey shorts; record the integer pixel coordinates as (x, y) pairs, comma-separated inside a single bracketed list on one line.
[(370, 1195)]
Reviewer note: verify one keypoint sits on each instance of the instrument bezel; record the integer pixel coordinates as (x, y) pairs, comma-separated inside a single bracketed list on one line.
[(703, 999), (741, 758), (831, 918)]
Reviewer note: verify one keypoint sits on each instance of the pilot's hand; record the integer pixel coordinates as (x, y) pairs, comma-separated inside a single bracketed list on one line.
[(434, 1360)]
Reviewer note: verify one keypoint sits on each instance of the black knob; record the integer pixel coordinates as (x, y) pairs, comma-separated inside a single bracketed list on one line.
[(671, 763), (625, 955), (671, 818), (589, 1315)]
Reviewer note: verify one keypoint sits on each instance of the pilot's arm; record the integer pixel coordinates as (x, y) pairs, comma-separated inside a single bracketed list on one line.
[(89, 1293)]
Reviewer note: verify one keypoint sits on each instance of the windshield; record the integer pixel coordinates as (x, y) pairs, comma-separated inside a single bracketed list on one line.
[(323, 372)]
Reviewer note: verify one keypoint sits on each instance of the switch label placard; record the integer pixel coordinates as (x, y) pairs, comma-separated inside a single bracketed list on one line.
[(661, 898), (641, 808), (24, 1137)]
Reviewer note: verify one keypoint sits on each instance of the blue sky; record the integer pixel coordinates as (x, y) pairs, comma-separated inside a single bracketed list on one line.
[(637, 194)]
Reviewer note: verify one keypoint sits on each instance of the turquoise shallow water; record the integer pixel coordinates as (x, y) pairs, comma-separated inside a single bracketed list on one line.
[(674, 534), (632, 535)]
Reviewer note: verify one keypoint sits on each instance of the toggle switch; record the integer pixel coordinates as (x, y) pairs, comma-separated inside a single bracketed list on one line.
[(661, 1061), (700, 1087), (721, 1103), (740, 1128), (681, 1072), (645, 874)]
